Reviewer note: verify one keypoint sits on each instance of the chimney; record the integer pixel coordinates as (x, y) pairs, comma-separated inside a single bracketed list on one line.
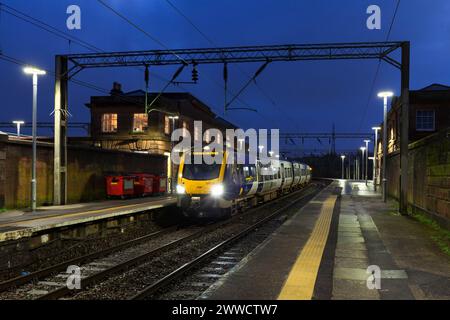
[(116, 89)]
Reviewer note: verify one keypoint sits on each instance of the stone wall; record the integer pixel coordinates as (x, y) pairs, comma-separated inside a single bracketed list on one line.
[(86, 170), (429, 174)]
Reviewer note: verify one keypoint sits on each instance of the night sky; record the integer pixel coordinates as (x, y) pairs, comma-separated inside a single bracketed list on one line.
[(304, 96)]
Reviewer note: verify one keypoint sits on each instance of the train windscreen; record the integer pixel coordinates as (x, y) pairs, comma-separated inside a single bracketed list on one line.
[(201, 171)]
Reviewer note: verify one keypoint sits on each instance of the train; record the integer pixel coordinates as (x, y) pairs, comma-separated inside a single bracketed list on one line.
[(220, 190)]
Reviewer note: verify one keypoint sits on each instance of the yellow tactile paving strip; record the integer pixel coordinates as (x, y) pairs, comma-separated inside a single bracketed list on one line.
[(302, 277)]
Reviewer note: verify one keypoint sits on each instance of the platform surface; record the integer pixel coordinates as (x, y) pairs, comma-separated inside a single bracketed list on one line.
[(16, 224), (332, 247)]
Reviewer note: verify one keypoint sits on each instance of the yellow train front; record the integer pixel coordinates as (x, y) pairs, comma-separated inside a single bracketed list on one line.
[(207, 190), (224, 188)]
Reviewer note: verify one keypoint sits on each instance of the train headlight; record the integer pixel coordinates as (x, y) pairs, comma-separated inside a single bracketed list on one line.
[(217, 190), (180, 189)]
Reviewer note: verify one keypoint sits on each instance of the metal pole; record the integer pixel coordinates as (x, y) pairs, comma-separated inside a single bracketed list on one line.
[(375, 151), (404, 136), (342, 168), (357, 169), (367, 159), (33, 164), (60, 132), (384, 147), (171, 163), (349, 168), (362, 164)]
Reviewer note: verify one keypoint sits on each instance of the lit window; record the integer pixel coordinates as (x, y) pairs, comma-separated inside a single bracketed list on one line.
[(425, 120), (166, 125), (140, 122), (207, 136), (109, 122)]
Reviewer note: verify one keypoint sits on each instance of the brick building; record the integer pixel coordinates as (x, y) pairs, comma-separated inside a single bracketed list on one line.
[(428, 154), (429, 113), (119, 121)]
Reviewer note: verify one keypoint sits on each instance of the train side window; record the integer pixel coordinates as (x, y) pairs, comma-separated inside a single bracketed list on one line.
[(253, 171), (246, 172)]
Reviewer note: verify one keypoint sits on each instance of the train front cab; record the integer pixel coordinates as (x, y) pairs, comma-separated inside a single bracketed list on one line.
[(210, 190)]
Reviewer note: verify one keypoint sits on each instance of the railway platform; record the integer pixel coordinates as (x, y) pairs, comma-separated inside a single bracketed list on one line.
[(344, 244), (16, 224)]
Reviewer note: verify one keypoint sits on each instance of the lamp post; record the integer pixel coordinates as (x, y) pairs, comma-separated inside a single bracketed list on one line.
[(375, 156), (373, 161), (362, 161), (172, 169), (35, 73), (343, 158), (367, 156), (385, 95), (18, 123)]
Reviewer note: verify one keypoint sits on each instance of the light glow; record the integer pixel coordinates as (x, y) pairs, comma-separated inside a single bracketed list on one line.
[(33, 70), (181, 189), (217, 190), (385, 94)]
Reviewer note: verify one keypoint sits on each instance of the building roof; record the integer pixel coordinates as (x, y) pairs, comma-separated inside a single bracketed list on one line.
[(435, 87), (225, 123), (137, 96)]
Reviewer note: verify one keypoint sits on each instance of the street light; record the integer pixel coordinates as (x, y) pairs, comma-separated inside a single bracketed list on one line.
[(18, 123), (385, 95), (367, 155), (362, 161), (375, 155), (35, 72), (342, 157)]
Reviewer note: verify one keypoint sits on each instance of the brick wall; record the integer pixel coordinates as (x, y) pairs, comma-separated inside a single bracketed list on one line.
[(429, 174), (86, 170)]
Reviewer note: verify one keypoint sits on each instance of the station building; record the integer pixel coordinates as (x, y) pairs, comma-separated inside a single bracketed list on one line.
[(429, 113), (119, 121)]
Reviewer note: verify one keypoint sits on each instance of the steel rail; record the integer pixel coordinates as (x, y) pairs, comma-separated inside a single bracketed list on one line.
[(17, 281)]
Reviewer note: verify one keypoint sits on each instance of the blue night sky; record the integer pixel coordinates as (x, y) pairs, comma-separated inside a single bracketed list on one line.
[(304, 96)]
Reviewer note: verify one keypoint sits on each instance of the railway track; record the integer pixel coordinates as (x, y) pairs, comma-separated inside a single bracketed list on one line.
[(65, 248), (50, 283), (215, 250), (39, 274)]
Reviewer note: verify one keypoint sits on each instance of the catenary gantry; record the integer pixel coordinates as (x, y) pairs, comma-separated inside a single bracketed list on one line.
[(67, 66)]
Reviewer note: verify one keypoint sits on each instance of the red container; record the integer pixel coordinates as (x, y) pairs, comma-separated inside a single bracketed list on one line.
[(143, 184), (119, 186), (159, 184)]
